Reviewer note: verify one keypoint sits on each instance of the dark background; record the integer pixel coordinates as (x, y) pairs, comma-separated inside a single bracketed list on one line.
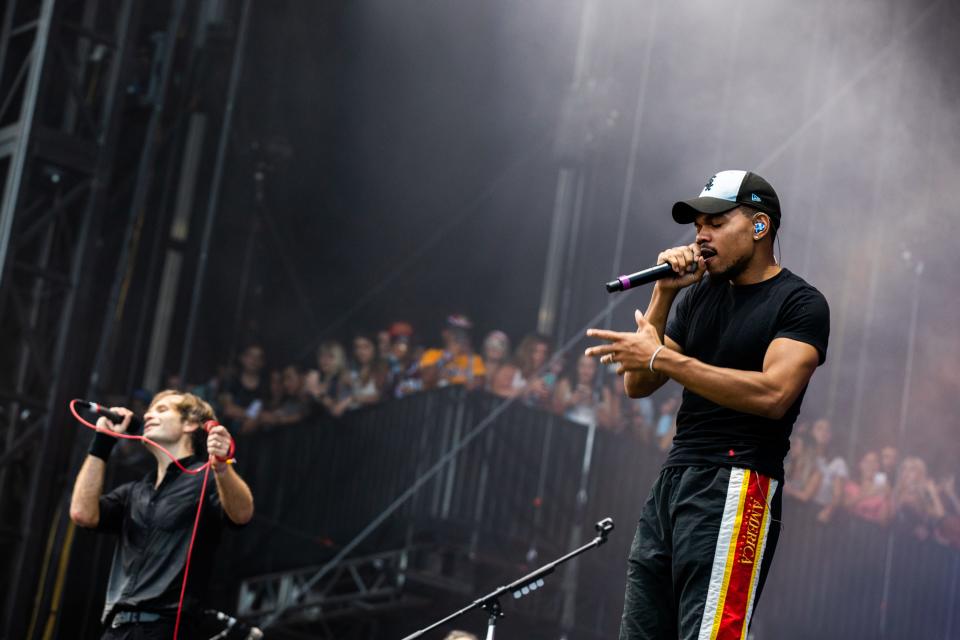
[(421, 144)]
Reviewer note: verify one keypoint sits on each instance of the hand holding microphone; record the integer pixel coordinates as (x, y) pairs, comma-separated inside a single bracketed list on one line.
[(115, 419), (676, 268), (687, 266), (118, 421)]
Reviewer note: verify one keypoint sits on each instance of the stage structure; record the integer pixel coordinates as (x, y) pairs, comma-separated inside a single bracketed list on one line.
[(61, 78), (102, 113)]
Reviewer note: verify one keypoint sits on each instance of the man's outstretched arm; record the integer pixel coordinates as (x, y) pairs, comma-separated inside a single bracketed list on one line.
[(787, 368), (235, 495)]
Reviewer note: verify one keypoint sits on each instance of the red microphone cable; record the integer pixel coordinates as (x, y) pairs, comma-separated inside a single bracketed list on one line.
[(207, 426), (127, 436)]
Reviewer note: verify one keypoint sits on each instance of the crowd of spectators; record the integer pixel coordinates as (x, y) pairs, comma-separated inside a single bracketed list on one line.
[(392, 364), (886, 489)]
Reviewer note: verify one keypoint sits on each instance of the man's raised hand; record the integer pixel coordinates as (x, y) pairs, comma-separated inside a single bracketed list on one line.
[(218, 442), (686, 262), (104, 424), (631, 351)]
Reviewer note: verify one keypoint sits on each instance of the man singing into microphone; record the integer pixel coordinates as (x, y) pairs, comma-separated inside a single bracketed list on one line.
[(744, 342), (154, 517)]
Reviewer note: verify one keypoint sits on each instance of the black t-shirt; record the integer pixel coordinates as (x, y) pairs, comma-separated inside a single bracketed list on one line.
[(731, 326)]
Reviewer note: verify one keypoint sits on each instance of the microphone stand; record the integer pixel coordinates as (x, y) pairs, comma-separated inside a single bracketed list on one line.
[(519, 588)]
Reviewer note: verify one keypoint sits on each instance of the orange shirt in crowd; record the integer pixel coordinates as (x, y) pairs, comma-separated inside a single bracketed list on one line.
[(454, 370)]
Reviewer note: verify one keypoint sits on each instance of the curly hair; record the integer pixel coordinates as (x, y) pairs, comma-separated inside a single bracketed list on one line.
[(191, 409)]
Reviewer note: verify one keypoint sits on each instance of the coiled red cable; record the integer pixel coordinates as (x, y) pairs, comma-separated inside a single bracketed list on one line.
[(205, 468)]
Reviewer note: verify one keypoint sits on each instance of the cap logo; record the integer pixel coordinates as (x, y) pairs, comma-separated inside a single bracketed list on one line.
[(724, 185), (755, 197)]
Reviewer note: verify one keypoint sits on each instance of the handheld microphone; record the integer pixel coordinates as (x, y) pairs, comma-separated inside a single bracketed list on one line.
[(652, 274), (100, 410)]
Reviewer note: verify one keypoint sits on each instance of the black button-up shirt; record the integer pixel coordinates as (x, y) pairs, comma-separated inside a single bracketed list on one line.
[(155, 525)]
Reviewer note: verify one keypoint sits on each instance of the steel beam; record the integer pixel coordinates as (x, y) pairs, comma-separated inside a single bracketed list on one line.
[(358, 586), (59, 168), (32, 68)]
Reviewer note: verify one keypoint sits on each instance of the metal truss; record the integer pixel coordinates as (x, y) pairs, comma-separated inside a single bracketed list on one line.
[(307, 603), (61, 70), (366, 585), (91, 95)]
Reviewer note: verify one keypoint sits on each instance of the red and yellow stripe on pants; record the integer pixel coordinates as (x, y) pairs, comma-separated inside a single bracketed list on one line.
[(737, 559)]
